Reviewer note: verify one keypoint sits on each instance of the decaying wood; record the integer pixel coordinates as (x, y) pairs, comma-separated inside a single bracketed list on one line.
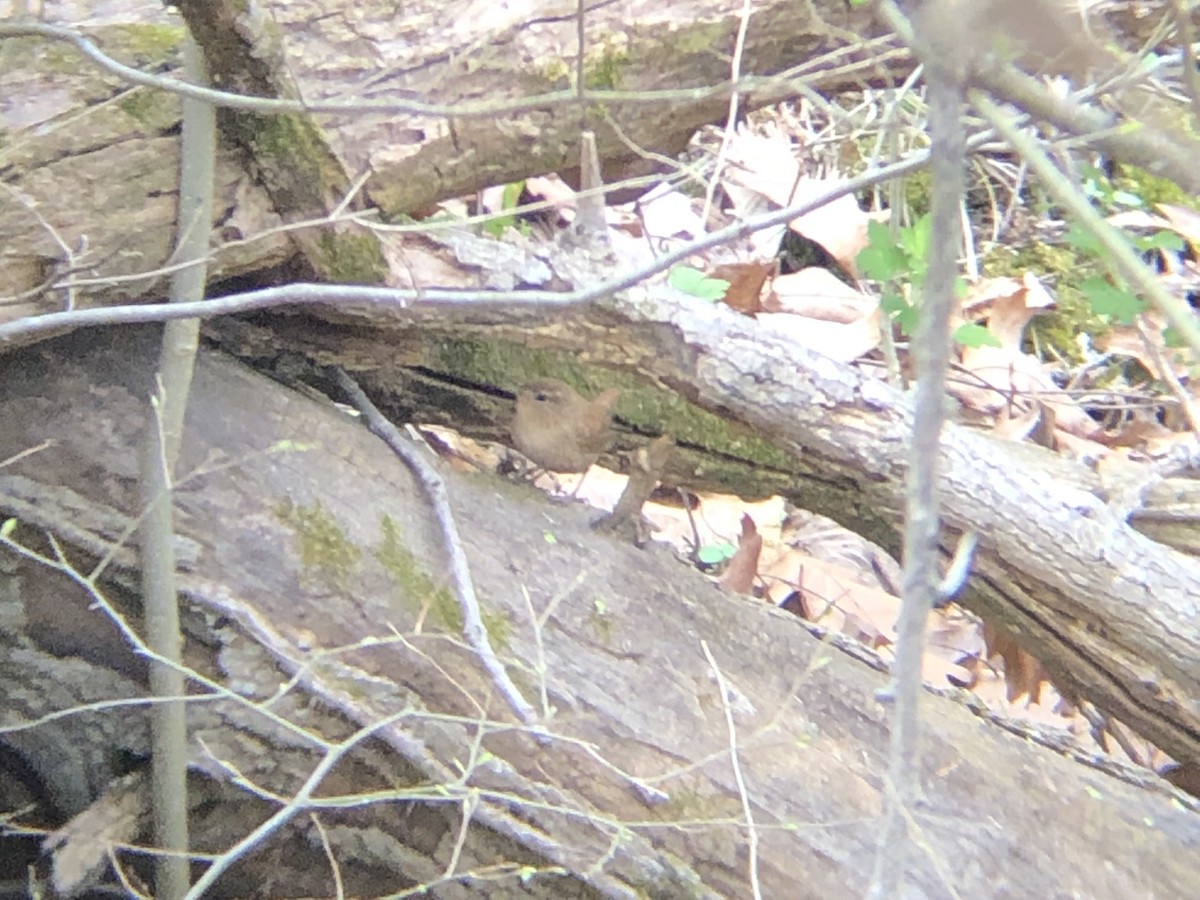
[(300, 534), (288, 552), (99, 162), (1108, 611)]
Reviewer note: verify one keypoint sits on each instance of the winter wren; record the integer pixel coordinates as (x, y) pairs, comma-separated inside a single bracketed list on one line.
[(560, 430)]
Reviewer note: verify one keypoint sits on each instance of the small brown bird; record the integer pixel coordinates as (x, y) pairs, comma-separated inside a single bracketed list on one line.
[(560, 430)]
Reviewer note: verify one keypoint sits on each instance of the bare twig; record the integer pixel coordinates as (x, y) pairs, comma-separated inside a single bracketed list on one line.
[(735, 72), (1119, 256), (298, 802), (1169, 155), (747, 812), (334, 868), (482, 110), (1181, 12), (460, 574), (333, 294), (946, 57)]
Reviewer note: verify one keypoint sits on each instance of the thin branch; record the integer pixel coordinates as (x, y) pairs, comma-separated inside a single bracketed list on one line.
[(484, 110), (747, 812), (389, 298), (735, 71), (1181, 13), (1168, 155), (945, 58), (1118, 254), (460, 573), (298, 802)]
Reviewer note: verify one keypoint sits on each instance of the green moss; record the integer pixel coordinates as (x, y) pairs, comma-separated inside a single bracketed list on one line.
[(152, 110), (603, 62), (1152, 188), (320, 542), (297, 170), (416, 591), (293, 157), (145, 45), (700, 37), (555, 71), (602, 65), (916, 193), (349, 259), (601, 621)]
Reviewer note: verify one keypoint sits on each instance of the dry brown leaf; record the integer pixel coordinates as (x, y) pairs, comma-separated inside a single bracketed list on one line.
[(1007, 305), (1023, 675), (79, 849), (1007, 376), (819, 294), (743, 566), (843, 342), (746, 280), (668, 213)]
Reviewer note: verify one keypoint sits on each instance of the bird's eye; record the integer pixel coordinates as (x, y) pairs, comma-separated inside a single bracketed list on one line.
[(541, 397)]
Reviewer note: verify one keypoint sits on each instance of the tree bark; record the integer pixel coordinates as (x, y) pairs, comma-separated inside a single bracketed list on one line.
[(309, 562), (1106, 609), (112, 177)]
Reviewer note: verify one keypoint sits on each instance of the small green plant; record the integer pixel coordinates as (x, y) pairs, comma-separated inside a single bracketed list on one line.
[(509, 200), (694, 282), (900, 262), (1113, 298)]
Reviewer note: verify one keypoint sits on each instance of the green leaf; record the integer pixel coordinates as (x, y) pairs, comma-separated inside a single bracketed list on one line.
[(882, 263), (901, 310), (915, 240), (495, 226), (509, 198), (714, 554), (1124, 198), (694, 282), (975, 336), (1160, 240), (893, 304), (882, 259), (1107, 300), (1082, 239), (511, 194)]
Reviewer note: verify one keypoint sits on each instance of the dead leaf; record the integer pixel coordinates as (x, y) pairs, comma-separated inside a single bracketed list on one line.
[(1006, 306), (746, 280), (743, 566), (1023, 675)]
